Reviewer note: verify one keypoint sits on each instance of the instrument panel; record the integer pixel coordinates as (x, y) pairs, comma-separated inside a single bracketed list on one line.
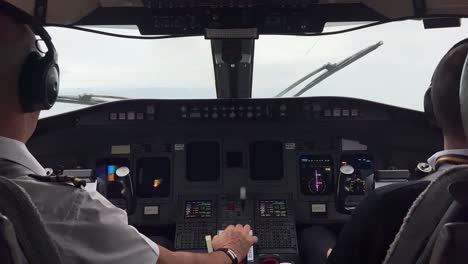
[(199, 165)]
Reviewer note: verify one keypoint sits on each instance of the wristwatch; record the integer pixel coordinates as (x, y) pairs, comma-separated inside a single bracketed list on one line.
[(230, 253)]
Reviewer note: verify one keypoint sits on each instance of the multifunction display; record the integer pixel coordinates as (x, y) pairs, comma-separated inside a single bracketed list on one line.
[(273, 208), (198, 209)]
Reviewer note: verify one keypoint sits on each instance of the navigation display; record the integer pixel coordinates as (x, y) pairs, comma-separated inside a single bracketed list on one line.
[(198, 209), (273, 208), (316, 174)]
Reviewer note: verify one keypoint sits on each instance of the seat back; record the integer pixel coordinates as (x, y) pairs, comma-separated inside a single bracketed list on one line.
[(434, 208), (450, 247), (452, 236), (10, 251), (22, 228)]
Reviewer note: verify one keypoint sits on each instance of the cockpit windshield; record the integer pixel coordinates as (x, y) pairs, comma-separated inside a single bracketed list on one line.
[(98, 68)]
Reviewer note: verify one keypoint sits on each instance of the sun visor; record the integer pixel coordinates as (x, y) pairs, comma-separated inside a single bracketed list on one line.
[(27, 6), (445, 7)]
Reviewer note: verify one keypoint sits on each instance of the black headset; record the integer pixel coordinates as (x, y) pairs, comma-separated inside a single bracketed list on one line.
[(428, 105), (38, 84)]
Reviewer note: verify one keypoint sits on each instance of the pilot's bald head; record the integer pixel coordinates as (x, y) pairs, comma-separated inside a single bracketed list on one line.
[(16, 43)]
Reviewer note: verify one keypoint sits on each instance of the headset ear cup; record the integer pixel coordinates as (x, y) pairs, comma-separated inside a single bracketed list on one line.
[(428, 107), (38, 83), (51, 85)]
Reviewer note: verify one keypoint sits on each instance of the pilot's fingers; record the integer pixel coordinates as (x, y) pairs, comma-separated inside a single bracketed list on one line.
[(253, 239), (239, 227), (229, 227), (247, 229), (215, 237)]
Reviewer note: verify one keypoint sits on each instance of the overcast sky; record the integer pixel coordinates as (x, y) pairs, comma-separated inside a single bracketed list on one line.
[(397, 73)]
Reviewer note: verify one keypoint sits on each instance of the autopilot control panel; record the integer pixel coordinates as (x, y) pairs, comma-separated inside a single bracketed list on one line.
[(272, 221)]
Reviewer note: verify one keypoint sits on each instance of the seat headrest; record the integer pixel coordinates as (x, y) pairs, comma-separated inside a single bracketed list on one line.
[(464, 97)]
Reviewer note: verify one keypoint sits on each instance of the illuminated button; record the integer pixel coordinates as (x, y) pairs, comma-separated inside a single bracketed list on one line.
[(249, 114), (283, 108), (241, 108), (327, 113), (337, 112), (206, 108), (131, 115), (183, 109), (345, 112), (214, 115), (232, 115), (258, 114), (122, 116), (113, 116), (184, 115), (140, 116), (151, 210), (354, 112), (150, 110), (258, 108), (206, 115), (318, 208)]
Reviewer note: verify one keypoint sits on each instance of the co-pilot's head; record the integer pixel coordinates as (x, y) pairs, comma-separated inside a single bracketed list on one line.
[(445, 95)]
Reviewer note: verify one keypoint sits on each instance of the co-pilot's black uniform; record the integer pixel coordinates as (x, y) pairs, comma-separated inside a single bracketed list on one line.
[(379, 217)]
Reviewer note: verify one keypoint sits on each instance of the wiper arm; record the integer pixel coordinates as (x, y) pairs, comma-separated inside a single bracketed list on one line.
[(87, 99), (331, 68)]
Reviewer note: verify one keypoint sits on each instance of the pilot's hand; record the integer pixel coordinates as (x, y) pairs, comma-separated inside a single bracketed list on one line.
[(237, 238)]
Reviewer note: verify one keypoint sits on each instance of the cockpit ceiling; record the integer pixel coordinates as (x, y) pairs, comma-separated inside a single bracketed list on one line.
[(72, 12)]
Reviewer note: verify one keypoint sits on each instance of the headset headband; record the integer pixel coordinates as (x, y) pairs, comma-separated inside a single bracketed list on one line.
[(24, 18)]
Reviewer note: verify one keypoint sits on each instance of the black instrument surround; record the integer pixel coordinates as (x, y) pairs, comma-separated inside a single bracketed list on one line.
[(187, 152)]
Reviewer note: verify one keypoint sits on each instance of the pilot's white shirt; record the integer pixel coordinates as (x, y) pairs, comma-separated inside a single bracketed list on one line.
[(86, 227), (432, 160)]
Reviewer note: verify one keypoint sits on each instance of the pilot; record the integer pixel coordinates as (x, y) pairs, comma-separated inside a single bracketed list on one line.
[(85, 226), (375, 222)]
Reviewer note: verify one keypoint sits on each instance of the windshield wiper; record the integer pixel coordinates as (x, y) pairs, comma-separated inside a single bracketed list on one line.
[(87, 99), (331, 68)]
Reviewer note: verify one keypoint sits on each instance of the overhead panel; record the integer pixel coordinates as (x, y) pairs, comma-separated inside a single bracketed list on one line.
[(106, 12)]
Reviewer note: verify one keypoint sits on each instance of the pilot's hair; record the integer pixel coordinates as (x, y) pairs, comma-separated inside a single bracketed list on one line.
[(446, 87)]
